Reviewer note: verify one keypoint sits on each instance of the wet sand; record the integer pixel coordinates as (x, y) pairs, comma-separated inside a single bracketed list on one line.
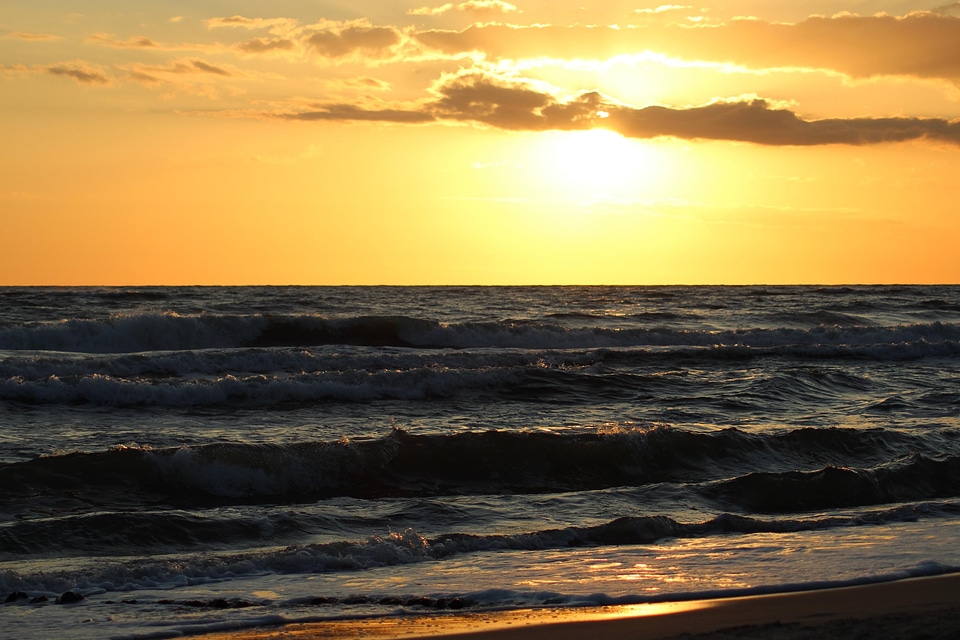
[(912, 608)]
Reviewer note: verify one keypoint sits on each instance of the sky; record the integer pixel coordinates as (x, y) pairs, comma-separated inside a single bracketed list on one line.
[(479, 142)]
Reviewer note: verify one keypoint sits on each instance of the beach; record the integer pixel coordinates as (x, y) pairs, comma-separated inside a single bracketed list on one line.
[(911, 608)]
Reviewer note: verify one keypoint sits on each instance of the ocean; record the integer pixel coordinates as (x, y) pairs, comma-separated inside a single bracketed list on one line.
[(180, 460)]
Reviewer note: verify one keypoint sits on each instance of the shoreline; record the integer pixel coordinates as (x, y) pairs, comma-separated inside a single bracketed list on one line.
[(895, 609)]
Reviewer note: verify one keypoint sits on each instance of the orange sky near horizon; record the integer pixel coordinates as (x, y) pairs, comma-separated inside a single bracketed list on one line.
[(480, 142)]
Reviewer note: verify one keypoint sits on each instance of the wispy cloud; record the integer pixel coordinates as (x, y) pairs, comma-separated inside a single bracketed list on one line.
[(471, 6), (136, 42), (267, 45), (31, 37), (188, 66), (81, 72), (250, 23), (348, 112), (206, 67), (665, 8), (189, 76), (339, 41), (364, 82), (327, 38), (149, 44)]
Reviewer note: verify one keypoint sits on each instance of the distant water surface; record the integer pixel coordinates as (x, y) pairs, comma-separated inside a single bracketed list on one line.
[(200, 458)]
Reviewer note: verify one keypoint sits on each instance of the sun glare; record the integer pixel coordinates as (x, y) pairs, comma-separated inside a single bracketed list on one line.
[(595, 164)]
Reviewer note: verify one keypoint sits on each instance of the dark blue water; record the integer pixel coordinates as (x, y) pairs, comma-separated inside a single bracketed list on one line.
[(189, 458)]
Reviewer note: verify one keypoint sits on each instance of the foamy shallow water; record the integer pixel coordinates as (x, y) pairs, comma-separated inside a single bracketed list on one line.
[(596, 576)]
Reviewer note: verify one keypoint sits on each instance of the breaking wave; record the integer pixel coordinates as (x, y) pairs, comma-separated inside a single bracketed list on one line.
[(136, 333)]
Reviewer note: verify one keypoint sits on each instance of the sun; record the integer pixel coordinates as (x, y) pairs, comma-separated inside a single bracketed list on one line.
[(596, 163)]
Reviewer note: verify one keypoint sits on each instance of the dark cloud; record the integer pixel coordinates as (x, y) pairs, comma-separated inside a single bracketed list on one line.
[(510, 104), (347, 112), (953, 7), (922, 45), (82, 74), (206, 67), (184, 66), (239, 21), (140, 76), (757, 122), (517, 105), (266, 45), (341, 42), (925, 45), (136, 42), (250, 23), (368, 83)]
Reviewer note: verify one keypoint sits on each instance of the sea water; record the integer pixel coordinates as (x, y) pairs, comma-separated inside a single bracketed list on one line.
[(202, 458)]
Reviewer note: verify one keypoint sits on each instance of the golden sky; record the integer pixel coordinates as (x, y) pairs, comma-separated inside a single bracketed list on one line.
[(479, 142)]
